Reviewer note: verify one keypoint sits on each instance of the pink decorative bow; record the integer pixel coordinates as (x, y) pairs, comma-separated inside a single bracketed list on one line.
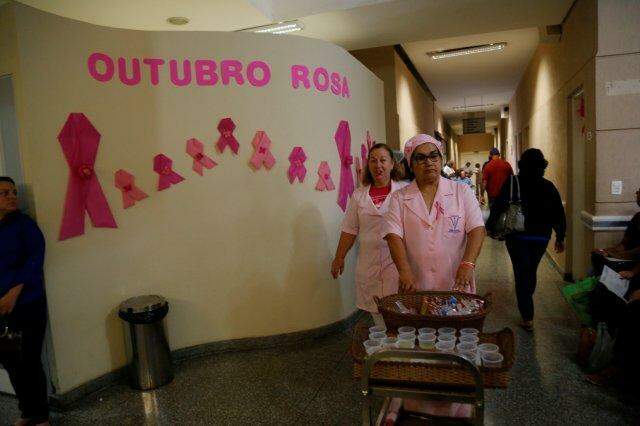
[(324, 178), (297, 168), (79, 141), (130, 192), (343, 142), (195, 149), (262, 154), (226, 128), (162, 165)]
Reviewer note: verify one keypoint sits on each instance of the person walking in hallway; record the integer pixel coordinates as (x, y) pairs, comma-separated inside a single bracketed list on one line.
[(495, 174), (543, 211)]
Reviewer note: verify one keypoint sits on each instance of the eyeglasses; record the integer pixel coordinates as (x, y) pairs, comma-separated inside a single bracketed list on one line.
[(6, 192), (433, 156)]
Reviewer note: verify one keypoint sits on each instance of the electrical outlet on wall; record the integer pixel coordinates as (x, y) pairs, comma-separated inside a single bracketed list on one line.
[(616, 187)]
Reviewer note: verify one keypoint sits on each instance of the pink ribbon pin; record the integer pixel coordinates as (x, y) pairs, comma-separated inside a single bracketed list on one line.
[(343, 142), (297, 168), (167, 177), (226, 128), (262, 151), (325, 183), (124, 181), (195, 149), (79, 141), (439, 210)]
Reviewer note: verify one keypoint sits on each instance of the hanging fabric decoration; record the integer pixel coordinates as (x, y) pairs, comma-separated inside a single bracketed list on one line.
[(297, 168), (324, 178), (226, 128), (167, 177), (124, 181), (359, 172), (79, 141), (195, 149), (262, 151), (343, 143)]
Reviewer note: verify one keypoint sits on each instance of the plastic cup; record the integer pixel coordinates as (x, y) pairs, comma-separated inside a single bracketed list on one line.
[(377, 329), (378, 336), (487, 348), (473, 331), (426, 330), (445, 346), (447, 338), (492, 359), (407, 341), (469, 356), (446, 330), (407, 335), (469, 338), (427, 341), (390, 342), (372, 346), (466, 347), (407, 330)]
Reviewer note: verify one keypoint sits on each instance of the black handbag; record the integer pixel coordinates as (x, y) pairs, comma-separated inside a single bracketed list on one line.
[(10, 339), (511, 220)]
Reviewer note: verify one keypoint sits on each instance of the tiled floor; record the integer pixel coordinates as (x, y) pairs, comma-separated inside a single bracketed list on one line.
[(311, 383)]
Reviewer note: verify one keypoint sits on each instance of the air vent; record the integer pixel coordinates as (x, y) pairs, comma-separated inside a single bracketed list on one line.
[(473, 125)]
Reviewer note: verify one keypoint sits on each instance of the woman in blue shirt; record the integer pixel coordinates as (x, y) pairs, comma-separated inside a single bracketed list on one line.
[(22, 304)]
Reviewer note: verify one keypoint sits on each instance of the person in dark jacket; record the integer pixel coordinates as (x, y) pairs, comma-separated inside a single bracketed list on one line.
[(23, 306), (543, 212)]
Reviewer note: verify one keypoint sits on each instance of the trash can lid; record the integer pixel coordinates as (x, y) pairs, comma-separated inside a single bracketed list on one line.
[(141, 304)]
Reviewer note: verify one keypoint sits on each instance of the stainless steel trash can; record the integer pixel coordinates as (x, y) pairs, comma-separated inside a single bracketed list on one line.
[(150, 365)]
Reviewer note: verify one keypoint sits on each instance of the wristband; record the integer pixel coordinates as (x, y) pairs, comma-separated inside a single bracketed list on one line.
[(468, 264)]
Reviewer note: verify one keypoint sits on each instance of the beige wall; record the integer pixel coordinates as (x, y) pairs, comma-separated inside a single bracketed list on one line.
[(476, 142), (539, 110), (237, 252)]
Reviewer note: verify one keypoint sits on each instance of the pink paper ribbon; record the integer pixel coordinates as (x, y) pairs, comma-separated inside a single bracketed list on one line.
[(297, 168), (195, 149), (79, 141), (262, 151), (167, 177), (343, 142), (124, 181), (325, 183), (226, 128)]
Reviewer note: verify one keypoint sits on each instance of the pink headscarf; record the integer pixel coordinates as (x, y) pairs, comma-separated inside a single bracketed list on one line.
[(418, 140)]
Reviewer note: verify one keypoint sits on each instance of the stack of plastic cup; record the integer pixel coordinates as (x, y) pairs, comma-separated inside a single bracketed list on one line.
[(426, 330), (372, 346), (407, 340), (469, 338), (446, 331), (473, 331), (427, 340), (390, 342), (446, 346), (377, 329), (379, 336), (406, 329), (492, 359)]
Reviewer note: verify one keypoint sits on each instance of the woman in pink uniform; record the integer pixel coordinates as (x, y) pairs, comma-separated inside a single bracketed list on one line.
[(376, 275), (434, 226)]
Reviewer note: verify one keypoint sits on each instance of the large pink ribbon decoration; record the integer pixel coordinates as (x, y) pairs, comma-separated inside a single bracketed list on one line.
[(297, 168), (325, 183), (195, 149), (79, 141), (343, 142), (226, 128), (130, 192), (261, 151), (163, 166)]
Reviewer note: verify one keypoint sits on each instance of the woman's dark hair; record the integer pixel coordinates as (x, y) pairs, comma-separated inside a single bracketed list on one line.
[(7, 179), (396, 174), (532, 163)]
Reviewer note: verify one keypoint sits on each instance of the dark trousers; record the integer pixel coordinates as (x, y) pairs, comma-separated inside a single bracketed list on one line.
[(25, 369), (525, 257)]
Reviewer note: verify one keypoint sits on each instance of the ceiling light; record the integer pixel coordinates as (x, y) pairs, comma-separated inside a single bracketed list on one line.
[(451, 53), (471, 106), (178, 20), (277, 28)]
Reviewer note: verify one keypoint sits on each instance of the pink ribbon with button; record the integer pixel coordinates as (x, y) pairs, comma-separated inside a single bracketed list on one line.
[(226, 126), (262, 151), (79, 141), (167, 177), (343, 143), (125, 182), (297, 168), (325, 183), (195, 149)]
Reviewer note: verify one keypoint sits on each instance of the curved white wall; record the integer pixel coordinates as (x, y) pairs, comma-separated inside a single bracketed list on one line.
[(237, 252)]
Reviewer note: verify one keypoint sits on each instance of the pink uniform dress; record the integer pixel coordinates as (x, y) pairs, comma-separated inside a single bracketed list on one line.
[(376, 274), (434, 240)]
